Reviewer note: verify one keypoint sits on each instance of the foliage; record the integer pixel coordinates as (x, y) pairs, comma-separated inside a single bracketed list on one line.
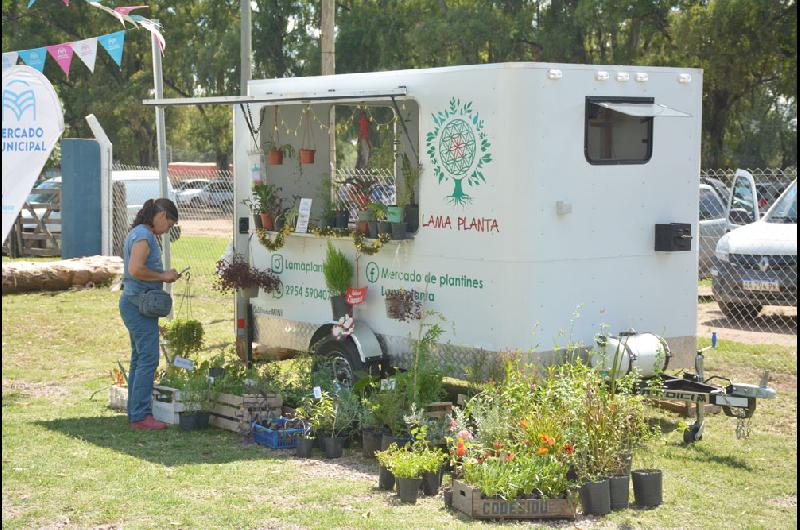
[(236, 273), (388, 407), (424, 380), (511, 476), (268, 199), (185, 336), (378, 210), (338, 271), (406, 194), (403, 305), (332, 414)]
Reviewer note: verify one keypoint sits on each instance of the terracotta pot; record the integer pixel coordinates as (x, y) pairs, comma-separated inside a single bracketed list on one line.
[(307, 156), (266, 221), (275, 157)]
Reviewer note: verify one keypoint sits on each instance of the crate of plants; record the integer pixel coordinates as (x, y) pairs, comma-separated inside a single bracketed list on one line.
[(167, 404), (118, 391), (237, 413), (469, 500), (278, 433)]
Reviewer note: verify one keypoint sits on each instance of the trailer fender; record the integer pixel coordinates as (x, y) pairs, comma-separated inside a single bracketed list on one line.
[(364, 339)]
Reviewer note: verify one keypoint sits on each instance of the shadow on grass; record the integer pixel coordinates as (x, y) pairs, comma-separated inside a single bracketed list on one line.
[(169, 447), (700, 453)]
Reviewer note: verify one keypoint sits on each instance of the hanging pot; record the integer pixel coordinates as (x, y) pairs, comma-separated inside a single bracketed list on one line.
[(647, 487), (275, 157), (307, 156), (385, 479), (249, 292), (596, 497), (407, 489), (619, 489), (304, 446), (267, 222)]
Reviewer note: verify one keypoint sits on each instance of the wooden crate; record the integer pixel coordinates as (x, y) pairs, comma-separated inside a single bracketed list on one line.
[(118, 397), (468, 500), (237, 413), (167, 404), (683, 408), (438, 409)]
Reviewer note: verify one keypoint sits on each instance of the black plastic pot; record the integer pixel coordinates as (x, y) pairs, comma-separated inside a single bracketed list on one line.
[(191, 421), (370, 442), (407, 489), (411, 216), (384, 227), (387, 439), (430, 483), (340, 308), (596, 498), (619, 487), (647, 487), (372, 229), (398, 230), (447, 493), (304, 446), (342, 219), (385, 479), (332, 446)]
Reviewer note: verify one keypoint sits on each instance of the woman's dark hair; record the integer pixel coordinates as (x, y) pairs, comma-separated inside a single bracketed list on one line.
[(151, 208)]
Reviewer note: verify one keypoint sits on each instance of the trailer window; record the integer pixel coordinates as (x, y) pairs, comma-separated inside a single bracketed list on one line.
[(612, 137)]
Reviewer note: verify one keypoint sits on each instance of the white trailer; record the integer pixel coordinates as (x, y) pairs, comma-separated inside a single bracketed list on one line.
[(542, 190)]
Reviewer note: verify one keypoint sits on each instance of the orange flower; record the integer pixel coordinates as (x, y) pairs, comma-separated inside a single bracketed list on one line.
[(541, 451), (549, 440), (460, 449), (569, 448), (510, 457), (497, 445)]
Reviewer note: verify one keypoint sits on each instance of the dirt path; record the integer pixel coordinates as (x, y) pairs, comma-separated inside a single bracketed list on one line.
[(207, 227), (775, 325)]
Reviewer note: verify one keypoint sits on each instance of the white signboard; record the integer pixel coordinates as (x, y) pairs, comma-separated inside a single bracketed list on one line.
[(32, 124), (304, 215)]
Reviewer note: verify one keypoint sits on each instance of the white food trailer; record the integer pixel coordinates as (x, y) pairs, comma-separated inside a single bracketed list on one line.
[(545, 189)]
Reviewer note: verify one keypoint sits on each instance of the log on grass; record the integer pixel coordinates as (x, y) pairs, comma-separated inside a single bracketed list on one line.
[(24, 276)]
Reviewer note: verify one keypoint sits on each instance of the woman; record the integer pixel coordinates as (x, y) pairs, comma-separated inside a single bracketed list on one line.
[(144, 272)]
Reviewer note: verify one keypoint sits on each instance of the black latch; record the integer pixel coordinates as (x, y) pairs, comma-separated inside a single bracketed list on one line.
[(244, 225), (673, 237)]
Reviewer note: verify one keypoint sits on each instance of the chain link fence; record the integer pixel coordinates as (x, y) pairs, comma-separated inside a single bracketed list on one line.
[(748, 278)]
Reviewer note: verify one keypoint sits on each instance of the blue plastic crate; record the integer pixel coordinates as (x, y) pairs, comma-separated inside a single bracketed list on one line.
[(283, 438)]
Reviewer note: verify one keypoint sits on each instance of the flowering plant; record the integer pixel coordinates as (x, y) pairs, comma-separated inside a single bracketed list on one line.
[(236, 273)]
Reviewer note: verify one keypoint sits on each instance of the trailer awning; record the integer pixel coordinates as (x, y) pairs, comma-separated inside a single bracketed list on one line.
[(284, 97), (644, 110)]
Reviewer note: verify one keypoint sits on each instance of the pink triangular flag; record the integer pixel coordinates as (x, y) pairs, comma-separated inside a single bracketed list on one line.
[(62, 53), (124, 11), (66, 3), (86, 50)]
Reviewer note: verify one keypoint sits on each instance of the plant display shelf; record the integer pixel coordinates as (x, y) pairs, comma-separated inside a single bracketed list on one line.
[(118, 397), (468, 499), (237, 413)]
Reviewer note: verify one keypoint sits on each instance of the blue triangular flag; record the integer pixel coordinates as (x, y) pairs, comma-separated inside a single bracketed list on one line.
[(34, 58), (113, 43)]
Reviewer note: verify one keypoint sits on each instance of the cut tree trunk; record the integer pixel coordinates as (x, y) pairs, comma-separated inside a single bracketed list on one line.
[(23, 276)]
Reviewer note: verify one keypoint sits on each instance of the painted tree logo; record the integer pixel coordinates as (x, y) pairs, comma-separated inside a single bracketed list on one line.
[(458, 149)]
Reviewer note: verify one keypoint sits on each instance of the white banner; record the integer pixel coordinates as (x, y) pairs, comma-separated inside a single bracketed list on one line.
[(32, 123)]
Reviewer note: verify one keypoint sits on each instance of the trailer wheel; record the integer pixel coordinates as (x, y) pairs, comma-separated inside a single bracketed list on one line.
[(343, 358)]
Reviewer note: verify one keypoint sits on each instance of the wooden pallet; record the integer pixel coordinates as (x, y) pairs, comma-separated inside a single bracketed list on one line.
[(237, 413), (438, 409), (468, 500), (682, 408)]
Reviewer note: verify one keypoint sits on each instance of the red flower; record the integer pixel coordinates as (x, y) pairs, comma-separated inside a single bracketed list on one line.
[(569, 448), (549, 440), (510, 457), (497, 445), (460, 449)]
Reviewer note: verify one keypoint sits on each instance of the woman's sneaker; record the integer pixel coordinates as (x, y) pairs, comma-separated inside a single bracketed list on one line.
[(149, 422)]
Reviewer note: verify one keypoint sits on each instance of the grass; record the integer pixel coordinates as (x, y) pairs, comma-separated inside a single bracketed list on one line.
[(69, 460)]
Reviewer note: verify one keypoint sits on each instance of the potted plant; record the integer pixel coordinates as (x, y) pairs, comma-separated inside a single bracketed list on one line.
[(287, 217), (648, 487), (307, 440), (269, 203), (407, 468), (197, 396), (406, 194), (376, 211), (431, 460), (253, 203), (338, 273), (277, 150), (184, 336), (371, 429), (236, 273), (328, 215), (403, 305), (307, 153), (331, 416), (388, 408)]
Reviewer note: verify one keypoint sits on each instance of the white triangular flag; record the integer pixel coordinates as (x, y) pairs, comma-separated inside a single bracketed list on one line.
[(86, 49), (10, 59)]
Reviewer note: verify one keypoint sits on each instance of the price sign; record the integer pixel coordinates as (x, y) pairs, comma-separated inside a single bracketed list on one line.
[(180, 362), (303, 216), (355, 296)]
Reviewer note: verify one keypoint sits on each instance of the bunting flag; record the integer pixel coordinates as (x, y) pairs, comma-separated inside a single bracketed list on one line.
[(34, 58), (153, 27), (119, 16), (86, 50), (62, 53), (10, 59), (124, 11), (113, 43)]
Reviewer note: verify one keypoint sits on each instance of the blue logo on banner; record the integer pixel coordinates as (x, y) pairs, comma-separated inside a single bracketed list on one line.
[(20, 101), (113, 43), (34, 58)]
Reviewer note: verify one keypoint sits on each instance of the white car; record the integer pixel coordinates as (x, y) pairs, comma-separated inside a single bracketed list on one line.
[(713, 225), (218, 193), (187, 192)]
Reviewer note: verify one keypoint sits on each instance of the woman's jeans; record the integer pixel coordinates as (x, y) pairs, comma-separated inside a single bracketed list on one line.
[(144, 359)]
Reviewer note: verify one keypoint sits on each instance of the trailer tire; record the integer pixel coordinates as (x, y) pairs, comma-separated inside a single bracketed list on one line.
[(344, 357)]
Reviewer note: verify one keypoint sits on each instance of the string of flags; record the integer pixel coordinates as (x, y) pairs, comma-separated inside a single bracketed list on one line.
[(86, 49)]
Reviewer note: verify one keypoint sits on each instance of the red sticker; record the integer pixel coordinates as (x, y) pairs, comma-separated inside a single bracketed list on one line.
[(355, 296)]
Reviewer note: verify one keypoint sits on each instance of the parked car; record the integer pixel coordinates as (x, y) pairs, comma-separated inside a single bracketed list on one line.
[(720, 187), (713, 225), (218, 193), (43, 197), (187, 192), (141, 185), (756, 265)]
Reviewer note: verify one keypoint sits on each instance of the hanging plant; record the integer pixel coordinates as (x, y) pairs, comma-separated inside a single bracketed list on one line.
[(236, 273), (276, 150), (307, 153), (185, 336), (279, 239), (360, 242)]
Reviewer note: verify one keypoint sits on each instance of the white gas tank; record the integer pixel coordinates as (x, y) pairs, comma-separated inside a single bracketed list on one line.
[(615, 356)]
